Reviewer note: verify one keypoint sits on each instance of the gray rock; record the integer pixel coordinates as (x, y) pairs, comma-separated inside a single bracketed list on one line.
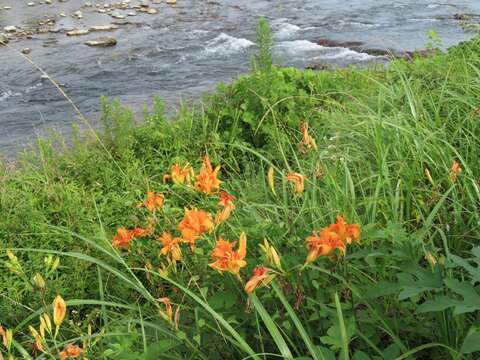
[(26, 51), (78, 32), (3, 39), (109, 27), (105, 41), (462, 17), (10, 29)]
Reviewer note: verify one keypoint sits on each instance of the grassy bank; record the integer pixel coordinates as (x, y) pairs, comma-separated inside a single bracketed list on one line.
[(394, 151)]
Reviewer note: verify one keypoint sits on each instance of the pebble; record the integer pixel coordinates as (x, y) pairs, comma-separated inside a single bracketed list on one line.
[(152, 11), (7, 8), (117, 16), (78, 14), (102, 42), (3, 39), (171, 2), (10, 29), (104, 27), (78, 32), (26, 51), (31, 4)]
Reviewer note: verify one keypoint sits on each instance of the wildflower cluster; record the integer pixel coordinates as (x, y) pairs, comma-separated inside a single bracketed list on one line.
[(227, 256)]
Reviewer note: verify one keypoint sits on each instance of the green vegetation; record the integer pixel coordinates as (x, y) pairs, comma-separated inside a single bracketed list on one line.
[(390, 144)]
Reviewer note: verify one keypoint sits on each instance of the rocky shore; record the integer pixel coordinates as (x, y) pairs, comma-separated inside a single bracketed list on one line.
[(121, 13)]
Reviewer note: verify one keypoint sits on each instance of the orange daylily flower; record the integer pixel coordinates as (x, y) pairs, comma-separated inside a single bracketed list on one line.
[(170, 246), (227, 259), (194, 224), (71, 351), (454, 171), (228, 207), (168, 308), (122, 239), (347, 232), (153, 202), (125, 236), (261, 276), (298, 180), (59, 310), (307, 141), (179, 174), (335, 236), (207, 180)]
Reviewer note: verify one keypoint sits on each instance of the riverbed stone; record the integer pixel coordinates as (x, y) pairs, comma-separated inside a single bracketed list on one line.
[(10, 29), (104, 41), (171, 2), (78, 32), (3, 39), (26, 51), (109, 27)]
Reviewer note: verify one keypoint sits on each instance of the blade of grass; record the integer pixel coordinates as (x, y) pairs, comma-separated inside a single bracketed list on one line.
[(298, 324), (343, 330), (272, 328)]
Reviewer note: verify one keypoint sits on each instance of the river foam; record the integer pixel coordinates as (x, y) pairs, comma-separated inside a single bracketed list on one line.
[(225, 44), (323, 52)]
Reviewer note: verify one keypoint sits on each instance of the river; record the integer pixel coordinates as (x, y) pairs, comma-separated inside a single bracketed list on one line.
[(184, 50)]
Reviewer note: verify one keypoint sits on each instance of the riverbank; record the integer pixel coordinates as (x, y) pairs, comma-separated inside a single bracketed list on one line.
[(364, 182), (184, 50)]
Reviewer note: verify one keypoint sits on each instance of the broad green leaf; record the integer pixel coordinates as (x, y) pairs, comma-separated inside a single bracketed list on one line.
[(471, 342)]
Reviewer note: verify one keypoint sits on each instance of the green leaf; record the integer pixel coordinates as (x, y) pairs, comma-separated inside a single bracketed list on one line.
[(156, 349), (416, 280), (438, 304), (474, 271), (471, 342), (272, 328), (298, 324), (360, 355), (471, 299)]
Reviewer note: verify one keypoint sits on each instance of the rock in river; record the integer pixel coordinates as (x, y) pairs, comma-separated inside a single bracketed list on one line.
[(109, 27), (3, 39), (10, 29), (78, 32), (105, 41)]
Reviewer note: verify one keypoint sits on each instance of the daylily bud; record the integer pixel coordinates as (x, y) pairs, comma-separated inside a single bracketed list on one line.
[(59, 310), (273, 258), (33, 331), (46, 323), (431, 259), (48, 260), (55, 264), (39, 281), (168, 313), (429, 176), (11, 256), (271, 180), (8, 339)]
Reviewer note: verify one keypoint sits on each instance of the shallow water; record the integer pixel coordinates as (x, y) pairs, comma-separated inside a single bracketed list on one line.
[(185, 50)]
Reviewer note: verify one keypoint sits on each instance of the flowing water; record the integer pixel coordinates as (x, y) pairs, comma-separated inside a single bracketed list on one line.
[(185, 50)]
